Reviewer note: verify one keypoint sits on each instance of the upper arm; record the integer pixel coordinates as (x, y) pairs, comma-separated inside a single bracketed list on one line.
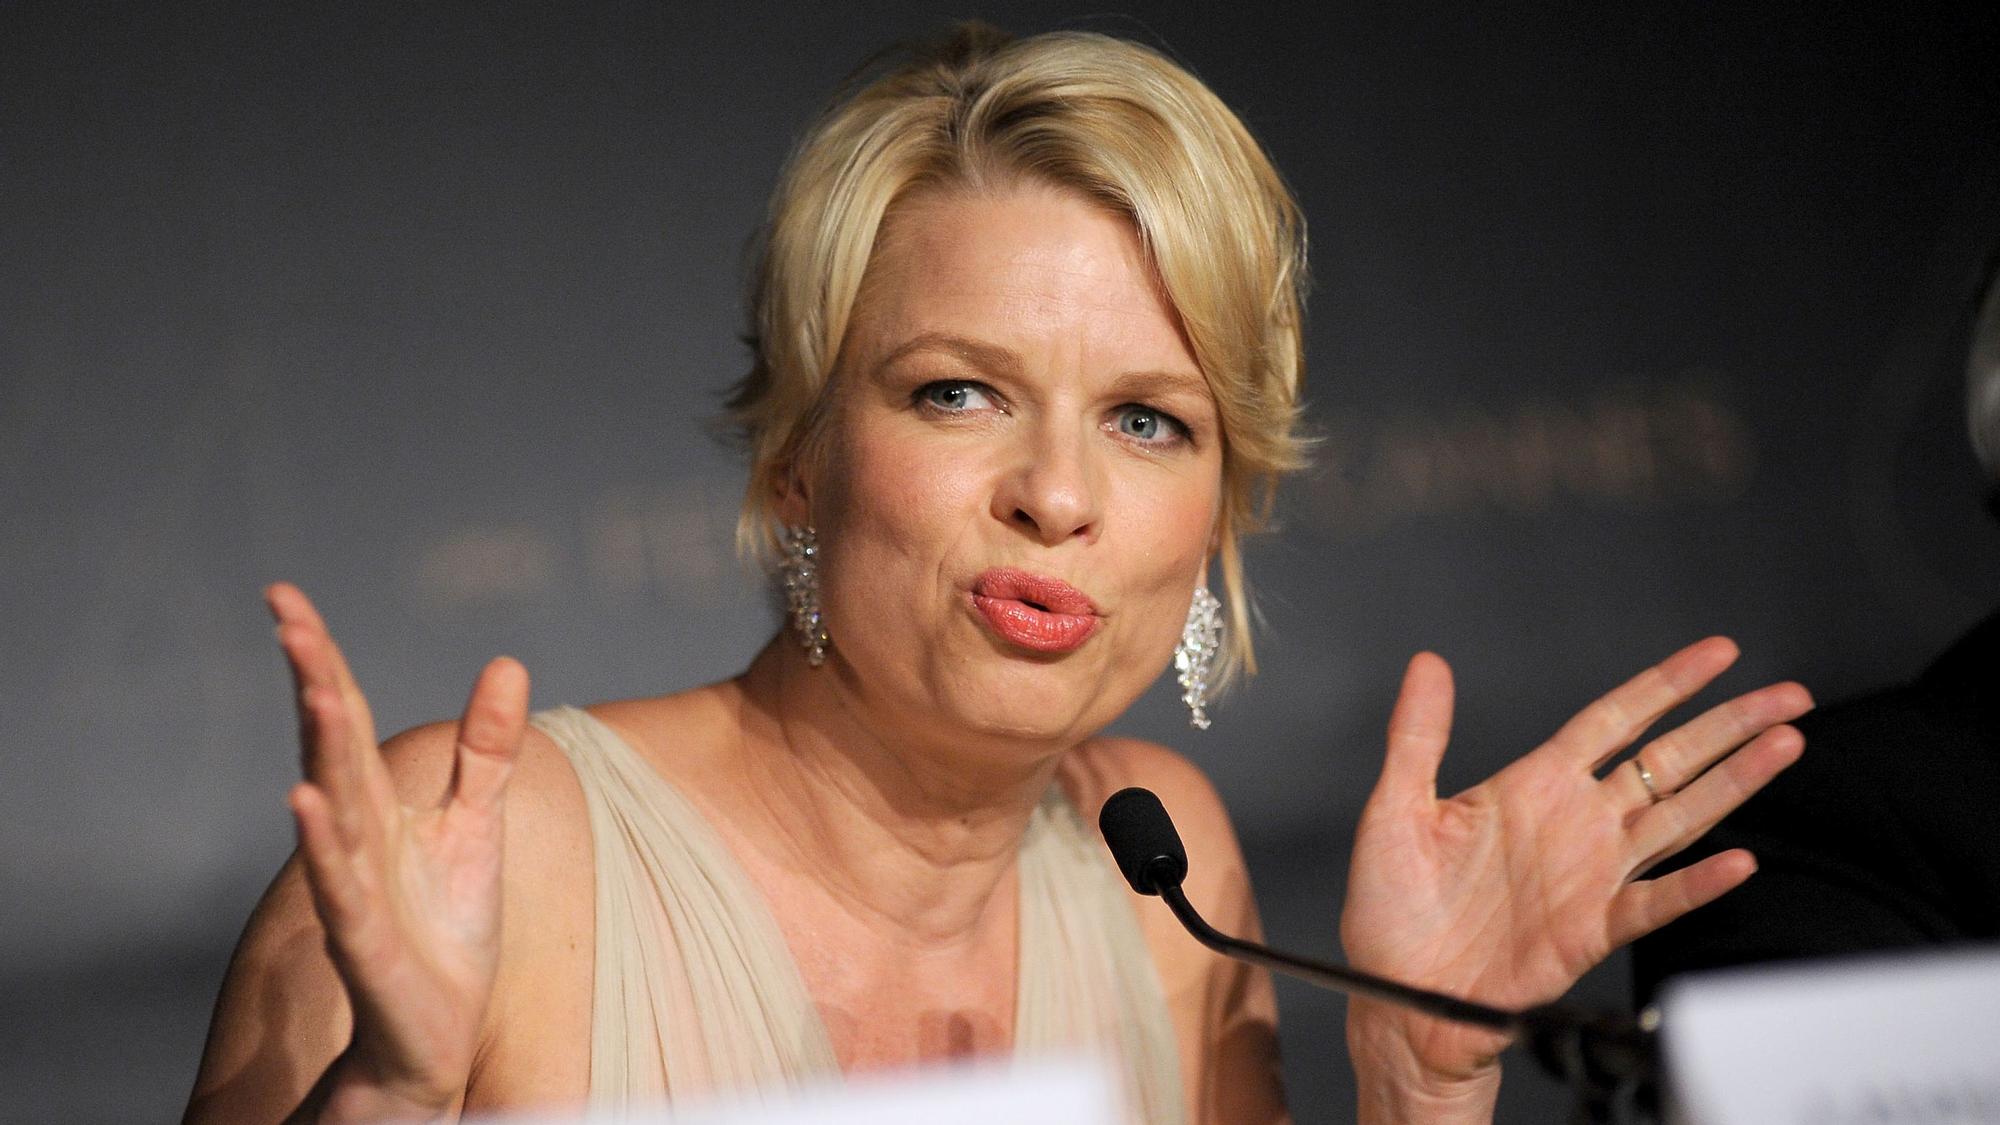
[(281, 1017), (1230, 1061)]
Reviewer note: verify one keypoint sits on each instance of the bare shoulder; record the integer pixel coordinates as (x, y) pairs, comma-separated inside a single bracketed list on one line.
[(545, 808), (1103, 766), (283, 1013), (685, 736), (1218, 882), (548, 822), (534, 1049), (1224, 1012), (548, 825), (421, 761)]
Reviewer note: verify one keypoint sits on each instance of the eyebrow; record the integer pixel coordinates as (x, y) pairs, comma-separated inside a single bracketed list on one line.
[(1151, 384), (993, 357)]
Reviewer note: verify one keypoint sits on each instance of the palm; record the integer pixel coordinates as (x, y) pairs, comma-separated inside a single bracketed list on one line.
[(1511, 890), (433, 949), (409, 897)]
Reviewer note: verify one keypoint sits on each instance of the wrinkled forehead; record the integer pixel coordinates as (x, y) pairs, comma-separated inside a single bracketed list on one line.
[(1043, 271)]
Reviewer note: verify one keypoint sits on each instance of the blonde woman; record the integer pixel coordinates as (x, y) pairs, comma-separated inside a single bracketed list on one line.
[(1026, 363)]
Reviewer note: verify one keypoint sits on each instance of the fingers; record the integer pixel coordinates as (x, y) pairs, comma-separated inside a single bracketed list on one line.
[(336, 731), (338, 894), (489, 736), (1681, 755), (317, 660), (1419, 730), (1609, 725), (329, 746), (1645, 906), (1680, 820)]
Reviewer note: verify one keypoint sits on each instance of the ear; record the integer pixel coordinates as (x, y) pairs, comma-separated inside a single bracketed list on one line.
[(792, 499)]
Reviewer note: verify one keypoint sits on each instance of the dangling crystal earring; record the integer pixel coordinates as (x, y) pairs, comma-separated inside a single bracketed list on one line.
[(1201, 639), (800, 574)]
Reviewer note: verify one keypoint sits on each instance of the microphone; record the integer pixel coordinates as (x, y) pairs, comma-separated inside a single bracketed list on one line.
[(1609, 1059)]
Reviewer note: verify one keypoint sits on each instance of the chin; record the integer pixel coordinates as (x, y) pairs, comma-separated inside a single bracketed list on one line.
[(1031, 700), (1010, 729)]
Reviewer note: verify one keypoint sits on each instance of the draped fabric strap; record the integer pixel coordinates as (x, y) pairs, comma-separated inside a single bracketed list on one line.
[(1087, 981), (695, 991)]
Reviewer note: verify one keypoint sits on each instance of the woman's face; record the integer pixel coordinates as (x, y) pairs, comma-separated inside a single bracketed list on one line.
[(1022, 479)]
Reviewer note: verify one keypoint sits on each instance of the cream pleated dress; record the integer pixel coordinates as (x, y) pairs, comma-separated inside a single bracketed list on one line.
[(696, 993)]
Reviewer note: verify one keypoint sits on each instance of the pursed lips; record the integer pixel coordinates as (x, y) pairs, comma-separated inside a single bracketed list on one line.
[(1034, 611)]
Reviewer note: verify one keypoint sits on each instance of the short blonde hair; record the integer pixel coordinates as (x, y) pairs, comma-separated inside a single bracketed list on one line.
[(1111, 119)]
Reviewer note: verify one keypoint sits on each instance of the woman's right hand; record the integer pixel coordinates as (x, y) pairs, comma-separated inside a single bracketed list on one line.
[(409, 897)]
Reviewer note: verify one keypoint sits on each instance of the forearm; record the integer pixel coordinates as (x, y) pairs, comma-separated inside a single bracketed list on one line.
[(1394, 1088)]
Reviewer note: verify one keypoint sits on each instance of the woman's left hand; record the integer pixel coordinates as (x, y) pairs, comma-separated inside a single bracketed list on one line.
[(1511, 890)]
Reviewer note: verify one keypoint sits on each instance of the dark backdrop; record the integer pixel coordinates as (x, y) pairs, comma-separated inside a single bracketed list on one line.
[(1630, 326)]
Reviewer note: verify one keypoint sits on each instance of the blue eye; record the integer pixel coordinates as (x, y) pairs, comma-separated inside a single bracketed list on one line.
[(1149, 425), (953, 396)]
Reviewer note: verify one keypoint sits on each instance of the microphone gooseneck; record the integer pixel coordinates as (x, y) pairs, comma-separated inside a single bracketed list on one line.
[(1148, 849), (1605, 1057)]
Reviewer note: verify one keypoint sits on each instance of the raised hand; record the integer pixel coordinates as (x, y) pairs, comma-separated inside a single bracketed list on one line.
[(1511, 890), (409, 897)]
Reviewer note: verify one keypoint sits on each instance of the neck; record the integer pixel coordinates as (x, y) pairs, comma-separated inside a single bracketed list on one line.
[(914, 831)]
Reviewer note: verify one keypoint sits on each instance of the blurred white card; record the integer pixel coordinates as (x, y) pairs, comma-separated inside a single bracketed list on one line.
[(1879, 1039), (1045, 1093)]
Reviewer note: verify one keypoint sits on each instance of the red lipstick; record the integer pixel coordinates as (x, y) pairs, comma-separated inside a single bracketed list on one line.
[(1034, 611)]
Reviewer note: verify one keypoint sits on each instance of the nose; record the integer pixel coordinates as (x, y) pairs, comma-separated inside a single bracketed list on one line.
[(1053, 491)]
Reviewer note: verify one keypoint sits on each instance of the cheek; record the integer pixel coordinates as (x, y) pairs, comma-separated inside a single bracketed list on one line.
[(1168, 518), (1164, 528), (889, 502)]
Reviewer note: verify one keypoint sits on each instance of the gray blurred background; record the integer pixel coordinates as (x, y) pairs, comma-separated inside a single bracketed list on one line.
[(1631, 325)]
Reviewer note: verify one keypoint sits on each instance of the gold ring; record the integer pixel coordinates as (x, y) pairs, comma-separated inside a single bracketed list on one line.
[(1646, 779)]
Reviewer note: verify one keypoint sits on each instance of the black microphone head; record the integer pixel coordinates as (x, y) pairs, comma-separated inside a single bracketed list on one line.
[(1142, 839)]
